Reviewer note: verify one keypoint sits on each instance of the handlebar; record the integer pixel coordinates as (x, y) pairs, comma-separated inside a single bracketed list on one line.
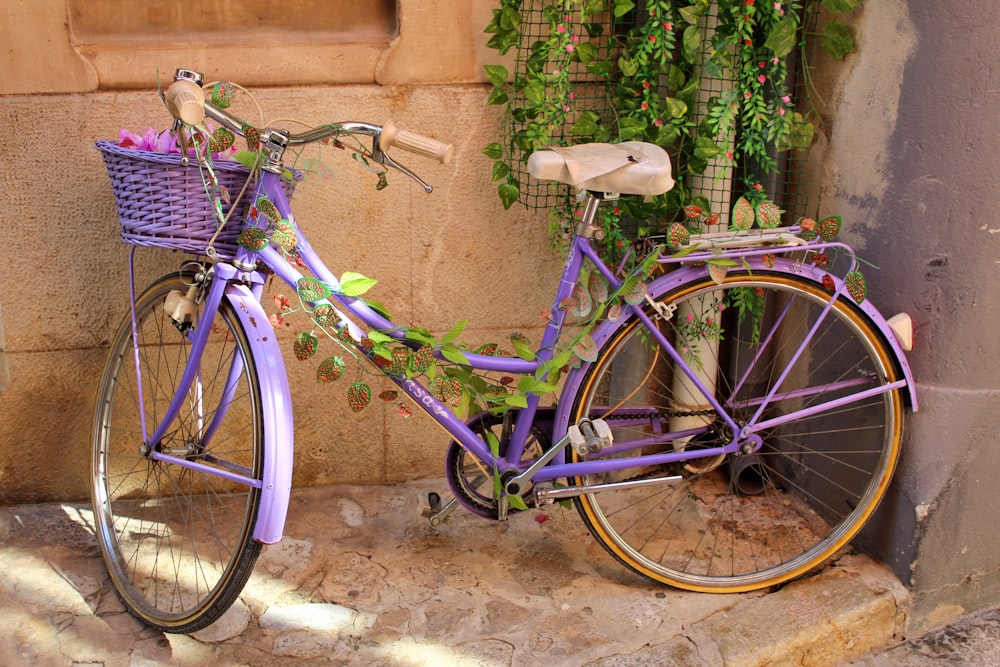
[(185, 99)]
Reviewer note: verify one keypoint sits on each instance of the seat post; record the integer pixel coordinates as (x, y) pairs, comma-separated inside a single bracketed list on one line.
[(588, 227)]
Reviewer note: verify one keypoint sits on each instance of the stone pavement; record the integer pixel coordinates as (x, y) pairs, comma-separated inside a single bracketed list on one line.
[(973, 640), (361, 579)]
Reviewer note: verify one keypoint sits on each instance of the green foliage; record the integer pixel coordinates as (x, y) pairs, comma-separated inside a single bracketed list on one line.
[(652, 59)]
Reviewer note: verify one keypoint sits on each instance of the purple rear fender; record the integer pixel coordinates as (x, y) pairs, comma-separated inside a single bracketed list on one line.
[(276, 406), (685, 274)]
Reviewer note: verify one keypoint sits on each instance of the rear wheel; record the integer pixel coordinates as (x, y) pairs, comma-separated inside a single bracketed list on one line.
[(742, 521), (177, 542)]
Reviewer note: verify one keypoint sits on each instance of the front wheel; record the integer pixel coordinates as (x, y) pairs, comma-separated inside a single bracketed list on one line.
[(775, 351), (177, 541)]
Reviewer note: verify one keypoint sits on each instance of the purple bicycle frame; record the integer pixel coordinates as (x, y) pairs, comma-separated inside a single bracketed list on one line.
[(229, 283)]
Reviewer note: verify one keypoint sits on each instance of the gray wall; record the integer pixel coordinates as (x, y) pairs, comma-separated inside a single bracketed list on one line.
[(913, 164)]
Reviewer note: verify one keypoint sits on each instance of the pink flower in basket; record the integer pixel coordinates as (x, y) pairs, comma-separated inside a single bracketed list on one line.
[(161, 142)]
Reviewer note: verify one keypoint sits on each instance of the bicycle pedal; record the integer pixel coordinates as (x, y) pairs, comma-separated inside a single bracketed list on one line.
[(435, 512)]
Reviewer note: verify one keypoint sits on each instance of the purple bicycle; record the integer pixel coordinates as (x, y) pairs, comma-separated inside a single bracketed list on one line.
[(729, 418)]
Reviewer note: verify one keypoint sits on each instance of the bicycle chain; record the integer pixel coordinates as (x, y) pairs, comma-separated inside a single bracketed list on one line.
[(667, 413)]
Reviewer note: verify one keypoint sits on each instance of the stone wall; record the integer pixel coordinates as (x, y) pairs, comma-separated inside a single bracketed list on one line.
[(440, 258), (908, 159)]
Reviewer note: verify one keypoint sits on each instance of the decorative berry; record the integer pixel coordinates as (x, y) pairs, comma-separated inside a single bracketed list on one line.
[(253, 238), (768, 215), (598, 288), (400, 361), (325, 316), (586, 348), (717, 272), (692, 211), (252, 135), (422, 359), (284, 236), (768, 260), (636, 295), (330, 369), (446, 389), (743, 214), (304, 346), (223, 94), (221, 140), (312, 289), (679, 235), (267, 209), (358, 396), (389, 395), (711, 220), (829, 227), (281, 302), (828, 283), (404, 411), (487, 350), (857, 286), (821, 259)]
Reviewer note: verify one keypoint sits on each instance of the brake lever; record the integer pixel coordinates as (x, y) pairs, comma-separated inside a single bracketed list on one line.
[(384, 158)]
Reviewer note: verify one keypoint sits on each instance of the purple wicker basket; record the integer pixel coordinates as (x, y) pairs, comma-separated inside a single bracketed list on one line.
[(163, 204)]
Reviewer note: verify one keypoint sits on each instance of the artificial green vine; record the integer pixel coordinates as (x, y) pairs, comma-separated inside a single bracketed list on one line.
[(653, 59)]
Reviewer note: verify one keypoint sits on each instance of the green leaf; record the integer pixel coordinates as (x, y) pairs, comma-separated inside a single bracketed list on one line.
[(586, 52), (692, 14), (705, 148), (420, 336), (628, 67), (497, 74), (455, 332), (454, 355), (840, 6), (586, 125), (500, 170), (247, 158), (623, 7), (494, 151), (379, 337), (517, 502), (498, 96), (675, 78), (630, 128), (355, 284), (800, 133), (509, 194), (783, 37), (692, 41), (516, 400), (535, 91), (675, 107), (837, 39), (510, 18), (522, 350)]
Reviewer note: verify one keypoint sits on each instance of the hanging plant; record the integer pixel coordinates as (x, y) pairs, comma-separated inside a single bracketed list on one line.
[(654, 61)]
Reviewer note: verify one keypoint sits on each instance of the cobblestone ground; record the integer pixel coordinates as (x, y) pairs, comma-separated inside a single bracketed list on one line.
[(973, 640), (361, 579)]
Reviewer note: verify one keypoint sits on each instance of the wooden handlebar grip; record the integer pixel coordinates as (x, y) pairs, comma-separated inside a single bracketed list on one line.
[(186, 100), (414, 143)]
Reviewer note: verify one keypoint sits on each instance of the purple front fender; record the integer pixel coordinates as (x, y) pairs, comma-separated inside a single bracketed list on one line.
[(276, 405)]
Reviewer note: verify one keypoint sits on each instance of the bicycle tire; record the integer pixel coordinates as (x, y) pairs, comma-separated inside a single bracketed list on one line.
[(815, 481), (177, 543)]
